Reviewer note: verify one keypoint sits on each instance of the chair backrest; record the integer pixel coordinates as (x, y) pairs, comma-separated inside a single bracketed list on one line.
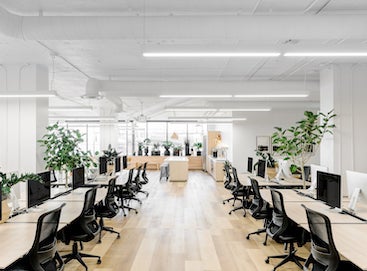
[(44, 245), (144, 168), (137, 176), (89, 199), (279, 220), (228, 176), (257, 202), (323, 249), (235, 178), (111, 188), (87, 220), (130, 177)]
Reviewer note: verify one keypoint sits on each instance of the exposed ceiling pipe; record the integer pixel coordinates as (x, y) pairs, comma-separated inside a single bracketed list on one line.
[(156, 88), (183, 27)]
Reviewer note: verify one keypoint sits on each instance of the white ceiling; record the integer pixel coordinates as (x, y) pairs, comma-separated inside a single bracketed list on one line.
[(121, 59)]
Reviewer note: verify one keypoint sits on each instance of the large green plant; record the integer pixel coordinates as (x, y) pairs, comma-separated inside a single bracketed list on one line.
[(110, 154), (62, 149), (300, 142), (8, 180)]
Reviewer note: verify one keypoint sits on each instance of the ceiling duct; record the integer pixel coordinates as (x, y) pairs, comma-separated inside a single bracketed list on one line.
[(183, 27), (92, 89)]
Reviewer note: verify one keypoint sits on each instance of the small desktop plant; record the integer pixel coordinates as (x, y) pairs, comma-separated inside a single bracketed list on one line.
[(110, 154), (198, 146), (176, 149), (301, 141), (146, 142), (156, 151), (167, 145)]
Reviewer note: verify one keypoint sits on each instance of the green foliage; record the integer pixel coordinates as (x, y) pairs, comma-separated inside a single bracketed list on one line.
[(146, 142), (270, 161), (140, 146), (7, 181), (167, 144), (177, 147), (198, 145), (62, 151), (156, 145), (110, 154), (294, 169), (299, 143)]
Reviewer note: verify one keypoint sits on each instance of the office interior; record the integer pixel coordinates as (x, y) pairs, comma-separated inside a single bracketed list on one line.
[(124, 71)]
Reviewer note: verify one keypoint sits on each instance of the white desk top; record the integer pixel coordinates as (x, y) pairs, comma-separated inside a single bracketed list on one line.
[(244, 179), (177, 159)]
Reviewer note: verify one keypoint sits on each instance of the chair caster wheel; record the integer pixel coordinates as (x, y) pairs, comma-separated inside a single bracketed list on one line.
[(99, 261), (136, 212), (264, 244), (267, 260), (118, 236), (224, 203), (230, 213), (99, 241), (248, 237)]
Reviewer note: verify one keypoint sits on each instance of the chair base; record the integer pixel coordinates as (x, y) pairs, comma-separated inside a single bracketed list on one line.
[(236, 209), (109, 229), (76, 255), (290, 257), (255, 232)]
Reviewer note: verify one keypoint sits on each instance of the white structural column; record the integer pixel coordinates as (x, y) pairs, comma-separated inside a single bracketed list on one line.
[(109, 133), (22, 120), (343, 87)]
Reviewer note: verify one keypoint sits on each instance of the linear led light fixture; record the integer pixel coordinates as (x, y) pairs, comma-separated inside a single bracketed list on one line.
[(206, 118), (70, 109), (303, 95), (196, 96), (326, 54), (190, 109), (82, 118), (244, 109), (27, 94), (211, 54)]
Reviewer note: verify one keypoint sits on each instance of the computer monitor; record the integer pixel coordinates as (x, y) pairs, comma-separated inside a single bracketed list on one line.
[(357, 188), (283, 170), (102, 165), (261, 168), (78, 177), (118, 164), (314, 170), (38, 192), (329, 188), (249, 164)]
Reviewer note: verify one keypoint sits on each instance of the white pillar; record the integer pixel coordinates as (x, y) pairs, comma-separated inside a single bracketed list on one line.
[(344, 88), (22, 121), (109, 134)]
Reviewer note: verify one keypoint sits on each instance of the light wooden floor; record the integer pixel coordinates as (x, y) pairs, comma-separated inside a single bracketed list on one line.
[(183, 227)]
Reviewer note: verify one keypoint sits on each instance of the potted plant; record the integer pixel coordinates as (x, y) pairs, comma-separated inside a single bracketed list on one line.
[(146, 145), (198, 146), (300, 142), (167, 145), (7, 182), (156, 151), (63, 151), (177, 149), (110, 154), (140, 148)]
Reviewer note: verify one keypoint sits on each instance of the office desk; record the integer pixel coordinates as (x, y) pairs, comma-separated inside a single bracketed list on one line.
[(289, 195), (244, 179), (121, 179), (78, 195), (16, 240)]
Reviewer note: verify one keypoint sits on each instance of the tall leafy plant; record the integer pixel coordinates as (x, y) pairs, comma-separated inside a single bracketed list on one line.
[(62, 149), (301, 141), (8, 180)]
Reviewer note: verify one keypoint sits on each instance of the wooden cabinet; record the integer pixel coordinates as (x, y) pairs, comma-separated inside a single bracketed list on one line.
[(178, 168), (154, 162), (215, 168)]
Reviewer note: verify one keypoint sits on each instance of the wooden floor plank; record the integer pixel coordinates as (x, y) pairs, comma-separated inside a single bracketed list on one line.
[(183, 226)]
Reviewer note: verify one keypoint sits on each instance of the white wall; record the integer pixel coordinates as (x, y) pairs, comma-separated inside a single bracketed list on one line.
[(261, 124), (343, 87), (227, 136)]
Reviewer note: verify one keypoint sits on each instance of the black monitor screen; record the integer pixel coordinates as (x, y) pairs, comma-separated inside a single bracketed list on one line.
[(249, 164), (261, 166), (329, 188), (102, 165), (78, 177), (39, 192), (124, 161), (118, 164)]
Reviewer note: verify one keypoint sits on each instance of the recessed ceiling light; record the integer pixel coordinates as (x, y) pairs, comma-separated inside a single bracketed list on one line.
[(212, 54), (326, 54), (244, 109), (27, 94), (271, 95), (195, 96)]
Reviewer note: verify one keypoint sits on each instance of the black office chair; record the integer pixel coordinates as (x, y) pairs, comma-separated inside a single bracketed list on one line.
[(138, 183), (259, 208), (239, 191), (126, 193), (228, 183), (83, 229), (144, 176), (324, 255), (43, 254), (107, 208), (283, 230)]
